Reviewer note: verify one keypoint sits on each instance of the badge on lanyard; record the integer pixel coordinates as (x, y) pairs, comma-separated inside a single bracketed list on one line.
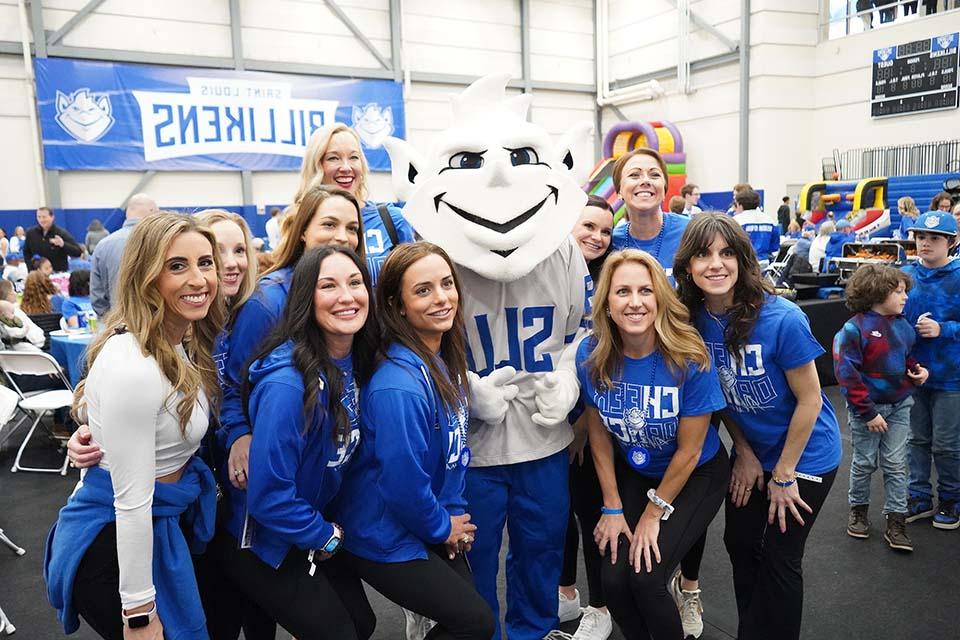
[(638, 457)]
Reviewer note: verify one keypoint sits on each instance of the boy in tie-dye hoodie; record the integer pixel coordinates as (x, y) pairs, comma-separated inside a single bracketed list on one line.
[(877, 375)]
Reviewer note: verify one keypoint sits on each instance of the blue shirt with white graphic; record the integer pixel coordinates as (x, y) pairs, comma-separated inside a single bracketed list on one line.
[(377, 241), (758, 396), (663, 246), (296, 468), (408, 476), (643, 407)]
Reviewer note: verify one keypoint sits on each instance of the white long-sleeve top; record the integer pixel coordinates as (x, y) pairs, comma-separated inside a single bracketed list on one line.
[(132, 416), (28, 337)]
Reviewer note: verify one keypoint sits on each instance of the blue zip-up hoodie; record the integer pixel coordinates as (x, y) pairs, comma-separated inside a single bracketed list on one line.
[(258, 315), (871, 355), (194, 497), (293, 475), (408, 477), (936, 291)]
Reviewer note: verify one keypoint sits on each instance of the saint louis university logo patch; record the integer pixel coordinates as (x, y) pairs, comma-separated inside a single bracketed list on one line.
[(84, 115), (373, 124), (885, 53), (932, 222)]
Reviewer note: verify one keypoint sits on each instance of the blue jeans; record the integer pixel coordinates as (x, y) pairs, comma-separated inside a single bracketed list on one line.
[(935, 426), (887, 450)]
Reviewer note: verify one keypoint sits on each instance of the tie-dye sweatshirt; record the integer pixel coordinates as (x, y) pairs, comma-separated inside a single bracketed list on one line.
[(871, 355)]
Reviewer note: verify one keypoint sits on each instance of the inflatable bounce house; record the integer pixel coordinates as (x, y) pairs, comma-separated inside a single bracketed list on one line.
[(869, 204), (661, 136), (862, 202)]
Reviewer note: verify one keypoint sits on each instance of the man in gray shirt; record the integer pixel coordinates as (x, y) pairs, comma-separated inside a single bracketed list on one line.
[(106, 259)]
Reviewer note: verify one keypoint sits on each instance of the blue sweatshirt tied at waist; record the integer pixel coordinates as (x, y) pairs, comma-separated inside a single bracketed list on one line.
[(91, 508)]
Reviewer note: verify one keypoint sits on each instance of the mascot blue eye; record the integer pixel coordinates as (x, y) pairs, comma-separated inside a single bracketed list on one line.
[(466, 160), (525, 155)]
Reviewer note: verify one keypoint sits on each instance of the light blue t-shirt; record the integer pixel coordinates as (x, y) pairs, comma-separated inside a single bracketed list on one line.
[(757, 393), (377, 239), (644, 406), (79, 307), (663, 246)]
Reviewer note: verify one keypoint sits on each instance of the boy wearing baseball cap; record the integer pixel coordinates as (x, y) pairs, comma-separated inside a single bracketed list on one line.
[(935, 419)]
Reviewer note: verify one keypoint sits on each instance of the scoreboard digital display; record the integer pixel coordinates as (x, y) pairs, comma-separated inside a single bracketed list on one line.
[(914, 77)]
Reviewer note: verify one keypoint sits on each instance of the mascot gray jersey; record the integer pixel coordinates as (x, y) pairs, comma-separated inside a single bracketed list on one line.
[(501, 199)]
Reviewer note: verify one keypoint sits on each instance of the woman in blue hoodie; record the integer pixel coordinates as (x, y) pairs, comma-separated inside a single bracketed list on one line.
[(118, 555), (325, 216), (402, 504), (301, 398)]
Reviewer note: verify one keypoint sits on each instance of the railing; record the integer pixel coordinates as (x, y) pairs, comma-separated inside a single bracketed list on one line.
[(842, 17), (904, 160)]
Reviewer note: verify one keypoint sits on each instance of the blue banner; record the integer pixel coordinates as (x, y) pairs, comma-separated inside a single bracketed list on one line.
[(132, 117)]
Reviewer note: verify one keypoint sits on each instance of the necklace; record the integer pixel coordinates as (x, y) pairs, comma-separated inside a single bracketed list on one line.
[(659, 245), (635, 422), (728, 378)]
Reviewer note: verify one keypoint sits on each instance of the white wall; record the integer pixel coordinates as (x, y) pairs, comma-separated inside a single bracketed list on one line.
[(806, 97), (460, 37)]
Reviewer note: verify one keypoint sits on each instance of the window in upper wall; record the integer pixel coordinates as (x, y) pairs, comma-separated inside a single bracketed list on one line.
[(848, 17)]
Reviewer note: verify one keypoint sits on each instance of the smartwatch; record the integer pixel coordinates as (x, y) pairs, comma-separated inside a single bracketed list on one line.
[(139, 620), (333, 544)]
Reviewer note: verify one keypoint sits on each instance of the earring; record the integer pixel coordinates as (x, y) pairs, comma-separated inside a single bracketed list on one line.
[(608, 313)]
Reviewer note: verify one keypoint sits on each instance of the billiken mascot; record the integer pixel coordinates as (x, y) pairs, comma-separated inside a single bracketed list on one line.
[(502, 199)]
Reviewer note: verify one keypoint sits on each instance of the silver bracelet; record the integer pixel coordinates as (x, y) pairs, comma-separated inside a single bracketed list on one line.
[(660, 502)]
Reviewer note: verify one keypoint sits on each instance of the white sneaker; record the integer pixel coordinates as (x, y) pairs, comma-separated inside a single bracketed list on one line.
[(595, 625), (417, 626), (691, 609), (568, 609), (556, 634)]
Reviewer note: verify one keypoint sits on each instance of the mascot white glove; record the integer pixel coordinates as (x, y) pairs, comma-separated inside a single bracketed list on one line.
[(491, 395), (556, 395)]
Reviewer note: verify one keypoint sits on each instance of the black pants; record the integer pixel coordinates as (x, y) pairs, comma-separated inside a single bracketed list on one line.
[(767, 564), (330, 604), (438, 588), (640, 602), (585, 502)]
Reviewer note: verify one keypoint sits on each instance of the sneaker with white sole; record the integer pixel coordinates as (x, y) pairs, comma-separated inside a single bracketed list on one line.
[(596, 624), (416, 626), (556, 634), (568, 609), (691, 609)]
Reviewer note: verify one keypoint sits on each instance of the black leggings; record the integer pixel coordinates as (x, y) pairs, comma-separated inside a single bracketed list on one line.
[(330, 604), (96, 587), (585, 502), (438, 588), (767, 564), (640, 602)]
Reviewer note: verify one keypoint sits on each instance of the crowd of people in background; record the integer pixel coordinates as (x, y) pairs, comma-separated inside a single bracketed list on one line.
[(321, 385)]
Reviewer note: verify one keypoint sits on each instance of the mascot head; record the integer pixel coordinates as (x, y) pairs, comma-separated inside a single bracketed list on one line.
[(495, 192)]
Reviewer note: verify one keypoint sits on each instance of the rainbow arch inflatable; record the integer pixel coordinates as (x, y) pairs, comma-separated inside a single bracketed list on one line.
[(661, 136)]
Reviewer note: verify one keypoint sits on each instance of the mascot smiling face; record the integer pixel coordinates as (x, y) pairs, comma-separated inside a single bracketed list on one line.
[(495, 192)]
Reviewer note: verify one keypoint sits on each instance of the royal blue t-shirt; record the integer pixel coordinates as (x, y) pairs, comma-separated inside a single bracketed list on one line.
[(666, 399), (662, 248), (377, 241), (78, 306), (758, 396)]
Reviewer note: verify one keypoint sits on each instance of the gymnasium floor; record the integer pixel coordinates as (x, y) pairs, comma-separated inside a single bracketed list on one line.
[(854, 588)]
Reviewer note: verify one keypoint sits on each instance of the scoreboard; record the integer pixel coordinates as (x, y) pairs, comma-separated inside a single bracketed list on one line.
[(914, 77)]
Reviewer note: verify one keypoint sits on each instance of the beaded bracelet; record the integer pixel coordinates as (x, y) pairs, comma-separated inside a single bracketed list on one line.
[(783, 484)]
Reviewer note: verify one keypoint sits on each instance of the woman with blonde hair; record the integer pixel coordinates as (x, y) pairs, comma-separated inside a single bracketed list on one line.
[(118, 555), (648, 387), (335, 158), (908, 215)]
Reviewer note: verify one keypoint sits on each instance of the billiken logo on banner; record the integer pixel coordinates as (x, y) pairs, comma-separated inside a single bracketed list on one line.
[(84, 115)]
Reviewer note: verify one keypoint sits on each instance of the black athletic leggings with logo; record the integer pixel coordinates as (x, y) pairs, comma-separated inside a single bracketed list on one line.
[(437, 587), (640, 602)]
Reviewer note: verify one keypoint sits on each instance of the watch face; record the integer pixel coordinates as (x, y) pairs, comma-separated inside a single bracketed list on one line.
[(138, 622), (331, 546)]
